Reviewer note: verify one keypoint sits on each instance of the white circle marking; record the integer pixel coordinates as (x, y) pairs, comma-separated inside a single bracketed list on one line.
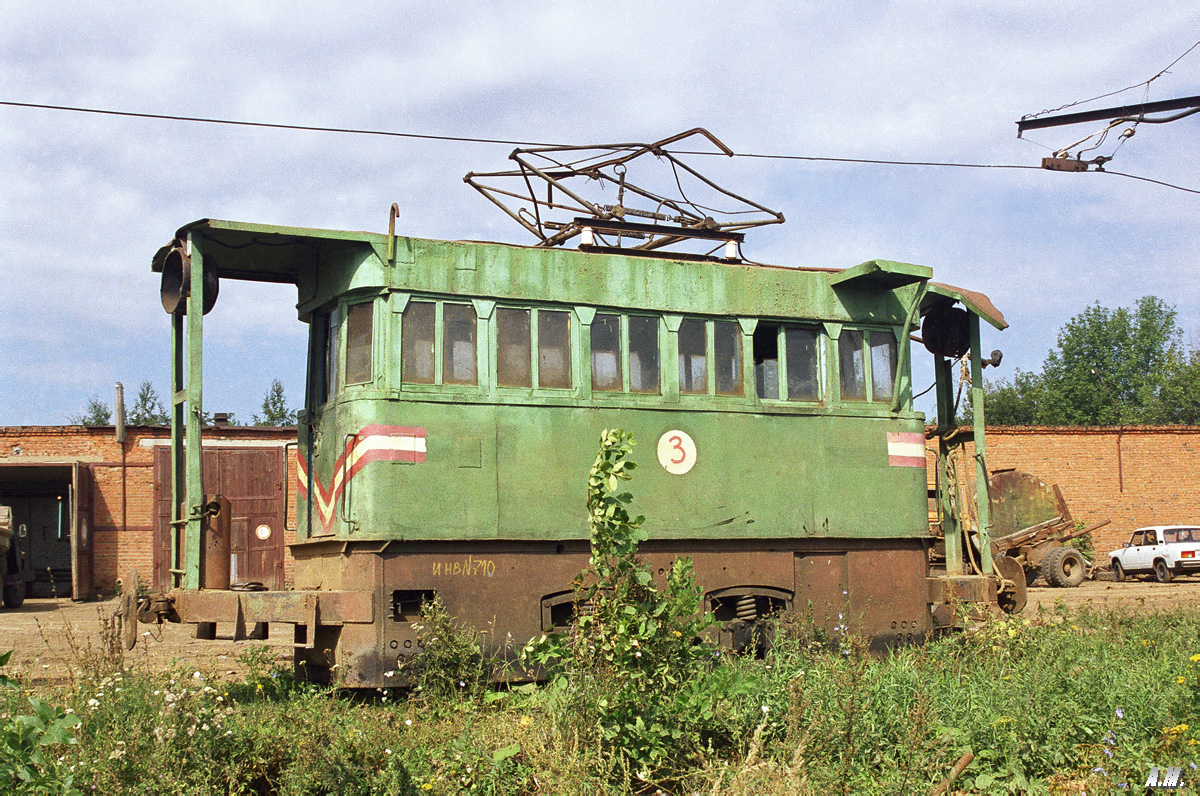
[(676, 452)]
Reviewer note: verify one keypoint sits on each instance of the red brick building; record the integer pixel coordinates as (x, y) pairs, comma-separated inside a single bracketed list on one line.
[(94, 508)]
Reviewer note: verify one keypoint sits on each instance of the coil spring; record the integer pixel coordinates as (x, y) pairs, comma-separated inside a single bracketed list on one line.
[(747, 608)]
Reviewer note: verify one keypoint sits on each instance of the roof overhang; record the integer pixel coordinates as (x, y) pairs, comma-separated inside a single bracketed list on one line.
[(263, 252), (880, 275), (977, 303)]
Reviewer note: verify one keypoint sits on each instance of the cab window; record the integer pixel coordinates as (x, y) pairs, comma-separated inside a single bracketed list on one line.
[(458, 344), (513, 348), (554, 349), (643, 354), (416, 342), (693, 357), (606, 353), (359, 327)]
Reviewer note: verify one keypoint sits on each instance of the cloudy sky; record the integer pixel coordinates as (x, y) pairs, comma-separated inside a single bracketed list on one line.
[(85, 200)]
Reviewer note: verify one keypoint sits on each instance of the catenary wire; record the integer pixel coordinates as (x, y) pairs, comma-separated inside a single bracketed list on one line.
[(513, 142), (478, 140)]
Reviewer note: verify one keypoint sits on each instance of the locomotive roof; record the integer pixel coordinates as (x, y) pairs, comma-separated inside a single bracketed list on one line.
[(292, 249)]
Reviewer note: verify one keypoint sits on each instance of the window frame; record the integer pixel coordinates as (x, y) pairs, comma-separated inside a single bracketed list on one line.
[(439, 383), (535, 375), (820, 335), (344, 335), (869, 395)]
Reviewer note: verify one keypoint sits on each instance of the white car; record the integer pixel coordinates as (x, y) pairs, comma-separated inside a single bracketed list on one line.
[(1165, 550)]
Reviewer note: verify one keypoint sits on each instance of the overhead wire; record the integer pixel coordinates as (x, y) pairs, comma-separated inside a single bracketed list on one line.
[(479, 140), (520, 143)]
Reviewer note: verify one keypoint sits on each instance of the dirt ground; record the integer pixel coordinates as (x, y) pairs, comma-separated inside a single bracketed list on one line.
[(1183, 591), (52, 637)]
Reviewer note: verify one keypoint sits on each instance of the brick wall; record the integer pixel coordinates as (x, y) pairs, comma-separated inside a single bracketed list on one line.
[(1135, 476), (123, 511)]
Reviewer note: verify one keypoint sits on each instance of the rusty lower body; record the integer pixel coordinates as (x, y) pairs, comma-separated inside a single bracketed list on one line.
[(356, 604)]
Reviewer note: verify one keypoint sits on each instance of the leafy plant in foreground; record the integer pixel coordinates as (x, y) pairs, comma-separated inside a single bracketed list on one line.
[(27, 743), (633, 665)]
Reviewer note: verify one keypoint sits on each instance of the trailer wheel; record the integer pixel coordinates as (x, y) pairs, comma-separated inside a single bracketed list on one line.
[(1063, 567), (1118, 571), (14, 594), (1162, 573)]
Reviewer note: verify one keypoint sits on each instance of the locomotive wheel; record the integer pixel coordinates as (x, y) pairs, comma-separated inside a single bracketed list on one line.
[(1118, 571), (1063, 567), (1013, 598), (1162, 573)]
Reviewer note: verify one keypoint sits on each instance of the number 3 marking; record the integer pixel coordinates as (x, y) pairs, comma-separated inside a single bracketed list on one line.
[(676, 452), (677, 443)]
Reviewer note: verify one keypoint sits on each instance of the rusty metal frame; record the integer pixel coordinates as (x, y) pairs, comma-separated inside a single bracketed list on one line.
[(672, 220)]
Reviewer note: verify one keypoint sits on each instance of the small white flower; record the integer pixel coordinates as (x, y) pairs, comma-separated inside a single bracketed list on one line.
[(389, 674), (766, 709), (197, 676), (408, 722), (387, 751)]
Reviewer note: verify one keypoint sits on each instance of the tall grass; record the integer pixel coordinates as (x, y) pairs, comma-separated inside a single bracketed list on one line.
[(1072, 702)]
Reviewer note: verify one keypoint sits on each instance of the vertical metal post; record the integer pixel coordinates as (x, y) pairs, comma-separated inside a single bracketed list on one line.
[(902, 385), (983, 508), (177, 428), (195, 379), (951, 533)]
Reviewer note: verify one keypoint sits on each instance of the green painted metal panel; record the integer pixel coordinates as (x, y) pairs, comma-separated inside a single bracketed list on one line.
[(517, 472)]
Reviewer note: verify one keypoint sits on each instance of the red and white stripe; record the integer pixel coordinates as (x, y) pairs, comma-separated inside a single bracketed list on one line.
[(906, 449), (371, 444)]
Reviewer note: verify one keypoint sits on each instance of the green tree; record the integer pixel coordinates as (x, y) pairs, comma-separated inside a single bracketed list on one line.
[(1178, 399), (1109, 367), (274, 408), (1013, 403), (97, 413), (148, 409)]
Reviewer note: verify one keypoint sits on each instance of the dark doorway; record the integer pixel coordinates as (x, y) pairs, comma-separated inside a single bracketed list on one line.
[(52, 524), (252, 480)]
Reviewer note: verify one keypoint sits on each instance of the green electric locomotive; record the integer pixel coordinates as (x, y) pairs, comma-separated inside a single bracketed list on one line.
[(456, 393)]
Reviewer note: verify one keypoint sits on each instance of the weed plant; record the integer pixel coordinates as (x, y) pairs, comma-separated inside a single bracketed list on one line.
[(633, 674)]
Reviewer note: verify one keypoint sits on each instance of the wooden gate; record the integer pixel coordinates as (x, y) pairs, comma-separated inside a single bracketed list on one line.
[(252, 480)]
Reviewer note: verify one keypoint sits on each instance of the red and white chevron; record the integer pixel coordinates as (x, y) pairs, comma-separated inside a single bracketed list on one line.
[(371, 444)]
